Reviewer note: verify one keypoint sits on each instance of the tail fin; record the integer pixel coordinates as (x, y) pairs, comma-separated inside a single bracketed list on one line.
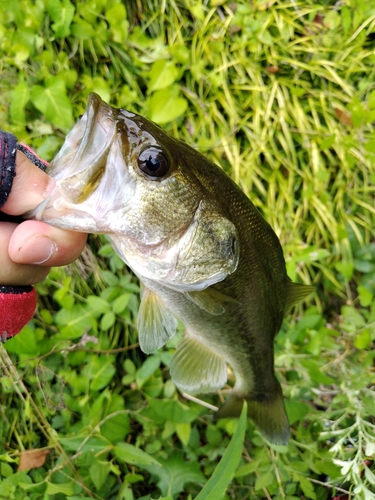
[(268, 414)]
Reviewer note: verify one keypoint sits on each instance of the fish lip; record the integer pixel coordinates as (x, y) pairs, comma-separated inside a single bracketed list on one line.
[(95, 106), (91, 112)]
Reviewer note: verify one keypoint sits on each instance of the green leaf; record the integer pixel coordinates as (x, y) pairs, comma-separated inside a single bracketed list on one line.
[(365, 296), (327, 142), (364, 266), (133, 478), (346, 268), (180, 53), (307, 487), (82, 30), (97, 305), (175, 472), (129, 366), (99, 471), (162, 74), (74, 322), (116, 14), (149, 367), (165, 105), (183, 431), (370, 476), (264, 480), (172, 410), (18, 99), (315, 373), (53, 102), (79, 497), (217, 485), (95, 444), (5, 470), (296, 410), (117, 427), (64, 488), (70, 77), (24, 344), (61, 13), (107, 321), (100, 371), (370, 449), (120, 303), (311, 254), (266, 38), (247, 469), (130, 454), (363, 339), (328, 467), (110, 278)]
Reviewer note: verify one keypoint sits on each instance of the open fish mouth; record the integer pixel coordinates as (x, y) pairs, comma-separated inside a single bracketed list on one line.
[(83, 156), (79, 168)]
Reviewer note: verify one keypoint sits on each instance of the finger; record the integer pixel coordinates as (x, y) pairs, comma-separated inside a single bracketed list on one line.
[(30, 187), (35, 242), (12, 273)]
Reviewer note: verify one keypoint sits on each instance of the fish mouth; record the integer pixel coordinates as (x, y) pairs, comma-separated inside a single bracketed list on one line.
[(86, 149), (78, 169)]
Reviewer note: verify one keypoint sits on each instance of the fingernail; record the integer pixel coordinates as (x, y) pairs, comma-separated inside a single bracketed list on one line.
[(37, 250)]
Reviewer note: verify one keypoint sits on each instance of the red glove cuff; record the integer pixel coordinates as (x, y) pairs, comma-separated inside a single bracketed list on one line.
[(17, 306)]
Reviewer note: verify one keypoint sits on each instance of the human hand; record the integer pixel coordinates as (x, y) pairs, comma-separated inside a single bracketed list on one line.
[(29, 249)]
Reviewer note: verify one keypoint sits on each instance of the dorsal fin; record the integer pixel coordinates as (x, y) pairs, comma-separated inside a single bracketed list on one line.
[(195, 368), (296, 292), (156, 324)]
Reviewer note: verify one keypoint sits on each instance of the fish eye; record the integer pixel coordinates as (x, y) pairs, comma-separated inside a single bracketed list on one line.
[(153, 162)]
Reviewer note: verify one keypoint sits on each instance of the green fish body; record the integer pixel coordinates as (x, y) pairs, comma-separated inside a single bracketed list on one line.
[(202, 250)]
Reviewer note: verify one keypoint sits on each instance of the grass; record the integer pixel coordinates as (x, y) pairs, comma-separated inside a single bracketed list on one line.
[(281, 96)]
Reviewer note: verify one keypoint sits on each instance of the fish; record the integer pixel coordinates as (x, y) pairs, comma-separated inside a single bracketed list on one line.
[(200, 248)]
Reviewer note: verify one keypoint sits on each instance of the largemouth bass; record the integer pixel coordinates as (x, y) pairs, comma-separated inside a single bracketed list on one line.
[(201, 249)]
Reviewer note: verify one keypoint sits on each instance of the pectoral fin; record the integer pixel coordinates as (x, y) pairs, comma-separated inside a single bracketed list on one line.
[(267, 412), (156, 324), (195, 368), (210, 300), (297, 292)]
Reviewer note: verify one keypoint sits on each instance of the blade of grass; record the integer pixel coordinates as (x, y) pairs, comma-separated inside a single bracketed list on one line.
[(217, 485)]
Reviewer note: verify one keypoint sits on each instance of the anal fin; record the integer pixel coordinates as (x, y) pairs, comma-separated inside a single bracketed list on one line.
[(156, 324), (195, 368)]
